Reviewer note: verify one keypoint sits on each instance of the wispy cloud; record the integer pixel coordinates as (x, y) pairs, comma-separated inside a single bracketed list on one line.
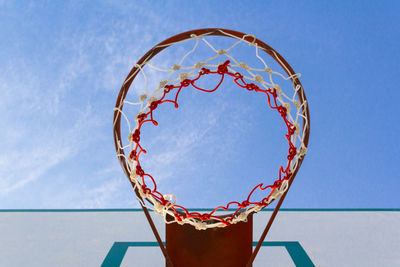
[(54, 113), (33, 155), (40, 127)]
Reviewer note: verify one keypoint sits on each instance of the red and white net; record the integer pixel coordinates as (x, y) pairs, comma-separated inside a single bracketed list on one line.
[(286, 99)]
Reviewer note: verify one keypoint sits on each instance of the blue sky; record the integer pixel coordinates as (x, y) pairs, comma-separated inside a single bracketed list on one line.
[(62, 64)]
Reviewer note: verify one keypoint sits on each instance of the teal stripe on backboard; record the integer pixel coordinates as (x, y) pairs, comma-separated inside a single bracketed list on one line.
[(299, 256), (137, 210)]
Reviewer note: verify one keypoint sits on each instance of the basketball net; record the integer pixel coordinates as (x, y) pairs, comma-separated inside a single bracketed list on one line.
[(288, 101)]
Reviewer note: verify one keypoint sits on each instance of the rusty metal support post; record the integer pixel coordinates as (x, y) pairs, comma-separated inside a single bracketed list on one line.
[(229, 246)]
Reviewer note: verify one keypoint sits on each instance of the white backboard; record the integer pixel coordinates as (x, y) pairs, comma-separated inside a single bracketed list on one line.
[(123, 237)]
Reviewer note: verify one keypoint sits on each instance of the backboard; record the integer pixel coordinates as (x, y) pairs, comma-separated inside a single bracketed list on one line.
[(123, 237)]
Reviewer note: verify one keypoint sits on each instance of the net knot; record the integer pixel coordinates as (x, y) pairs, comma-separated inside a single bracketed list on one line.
[(268, 70), (258, 78), (143, 97), (292, 129), (186, 82), (168, 88), (287, 106), (297, 128), (265, 201), (278, 88), (154, 104), (282, 111), (198, 65), (221, 52), (169, 200), (183, 76), (133, 177), (162, 84), (244, 204), (139, 171), (136, 136), (243, 65), (238, 75), (273, 92), (242, 216), (302, 151), (158, 207), (204, 71), (205, 217), (223, 68), (132, 155), (176, 67), (179, 218), (151, 99), (251, 86), (140, 117), (201, 226), (144, 191), (227, 221), (277, 183), (292, 153), (297, 103)]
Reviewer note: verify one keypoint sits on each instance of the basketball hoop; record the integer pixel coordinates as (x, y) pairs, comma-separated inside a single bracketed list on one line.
[(288, 102)]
